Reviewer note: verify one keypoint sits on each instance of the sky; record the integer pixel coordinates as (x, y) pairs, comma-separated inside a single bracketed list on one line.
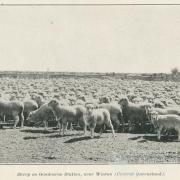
[(131, 39)]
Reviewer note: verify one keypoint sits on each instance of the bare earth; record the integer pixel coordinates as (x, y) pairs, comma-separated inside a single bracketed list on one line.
[(34, 145)]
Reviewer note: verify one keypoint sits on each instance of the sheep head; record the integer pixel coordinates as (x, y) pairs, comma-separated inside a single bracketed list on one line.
[(89, 108), (123, 102), (154, 116), (53, 104)]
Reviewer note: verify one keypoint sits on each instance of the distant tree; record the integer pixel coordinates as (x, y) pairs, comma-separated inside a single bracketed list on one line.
[(174, 72)]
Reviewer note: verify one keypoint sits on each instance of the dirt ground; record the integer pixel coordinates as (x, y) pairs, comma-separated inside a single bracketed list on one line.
[(35, 145)]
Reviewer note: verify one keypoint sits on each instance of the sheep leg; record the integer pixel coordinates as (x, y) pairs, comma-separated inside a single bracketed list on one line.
[(178, 135), (159, 134), (71, 126), (112, 129), (84, 123), (130, 126), (45, 125), (16, 118), (85, 128), (64, 125), (117, 123), (59, 125), (101, 130), (92, 127), (58, 122), (26, 114), (78, 125), (109, 124), (92, 133), (123, 124), (21, 118)]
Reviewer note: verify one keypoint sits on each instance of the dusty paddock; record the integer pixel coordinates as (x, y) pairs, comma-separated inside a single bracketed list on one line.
[(34, 145)]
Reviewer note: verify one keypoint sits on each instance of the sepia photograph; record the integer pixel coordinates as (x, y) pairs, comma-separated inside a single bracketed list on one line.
[(89, 84)]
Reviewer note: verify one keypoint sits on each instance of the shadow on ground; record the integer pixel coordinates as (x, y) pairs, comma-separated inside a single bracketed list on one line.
[(43, 131), (50, 136), (163, 138), (135, 138), (30, 137), (145, 138), (60, 136), (81, 139)]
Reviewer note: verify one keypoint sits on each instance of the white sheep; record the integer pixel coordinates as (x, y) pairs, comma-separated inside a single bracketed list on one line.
[(67, 114), (168, 121), (97, 117)]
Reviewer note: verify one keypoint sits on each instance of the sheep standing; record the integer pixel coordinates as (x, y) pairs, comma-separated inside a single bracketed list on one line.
[(64, 114), (98, 117), (80, 114), (115, 114), (43, 114), (13, 109), (134, 114), (161, 111), (169, 121)]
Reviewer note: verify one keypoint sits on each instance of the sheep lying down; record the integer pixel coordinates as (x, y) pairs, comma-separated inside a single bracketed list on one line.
[(169, 121)]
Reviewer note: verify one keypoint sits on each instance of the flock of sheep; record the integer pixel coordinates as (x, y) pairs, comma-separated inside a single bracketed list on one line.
[(122, 106)]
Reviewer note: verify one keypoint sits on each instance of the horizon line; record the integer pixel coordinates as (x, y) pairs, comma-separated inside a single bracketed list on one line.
[(83, 72)]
